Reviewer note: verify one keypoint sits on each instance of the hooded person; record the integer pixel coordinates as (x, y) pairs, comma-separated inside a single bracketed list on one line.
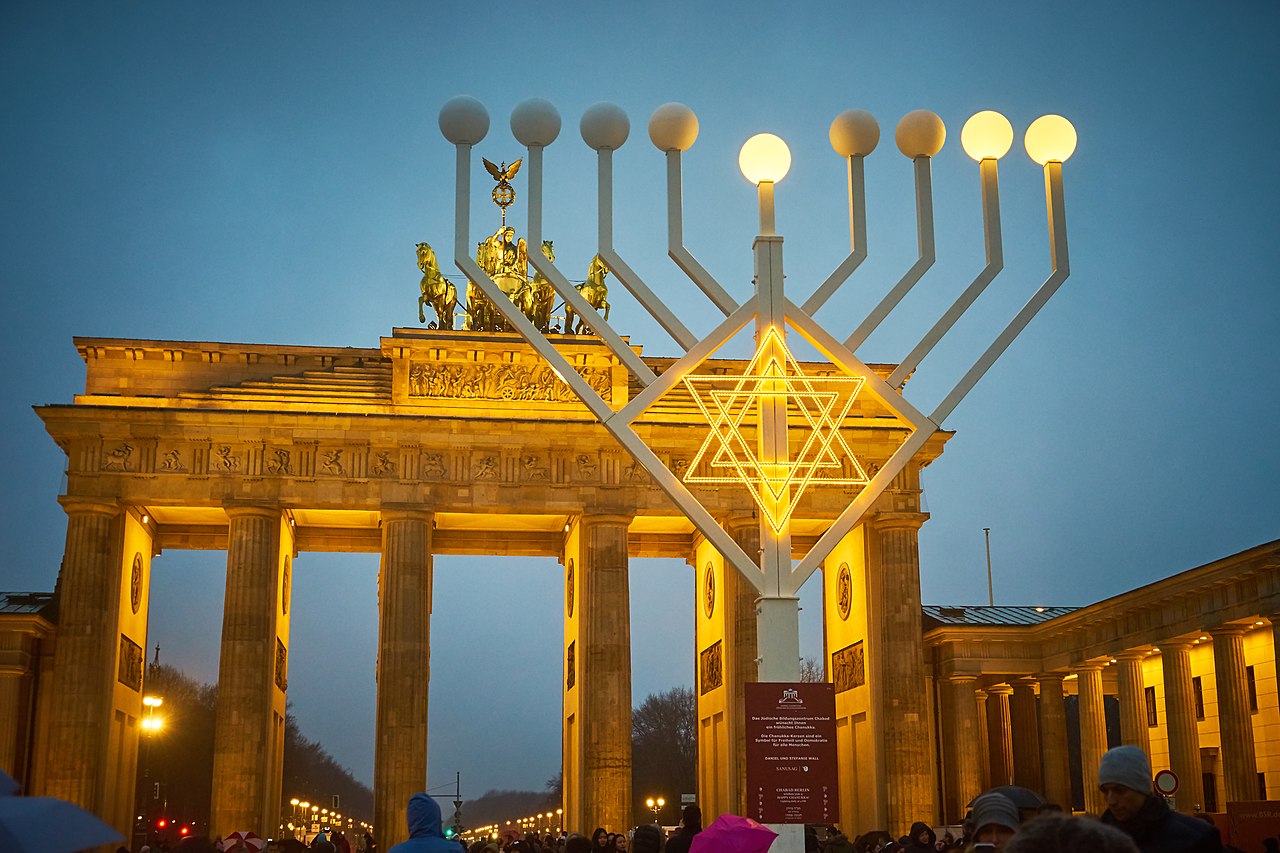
[(426, 832), (690, 825), (1124, 778), (921, 838)]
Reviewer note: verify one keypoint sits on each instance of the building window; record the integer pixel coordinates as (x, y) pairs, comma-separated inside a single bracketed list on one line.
[(1253, 691), (1198, 692), (1152, 719)]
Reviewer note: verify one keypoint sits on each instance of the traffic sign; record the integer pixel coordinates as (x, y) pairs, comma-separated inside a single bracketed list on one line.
[(1166, 783)]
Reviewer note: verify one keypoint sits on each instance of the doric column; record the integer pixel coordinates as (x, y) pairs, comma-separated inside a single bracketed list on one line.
[(1053, 741), (245, 733), (1026, 736), (1235, 720), (83, 677), (908, 742), (740, 596), (960, 725), (1133, 700), (1180, 712), (404, 668), (605, 672), (999, 735), (984, 742), (1093, 734)]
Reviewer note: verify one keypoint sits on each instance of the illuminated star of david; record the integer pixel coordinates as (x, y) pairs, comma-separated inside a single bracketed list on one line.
[(816, 405)]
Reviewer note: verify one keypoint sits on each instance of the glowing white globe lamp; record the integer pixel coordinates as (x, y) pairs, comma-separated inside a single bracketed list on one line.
[(764, 157), (987, 136), (1050, 139)]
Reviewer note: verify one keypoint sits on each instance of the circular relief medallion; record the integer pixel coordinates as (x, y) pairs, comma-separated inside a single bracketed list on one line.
[(568, 589), (135, 583), (285, 584), (709, 591), (844, 590)]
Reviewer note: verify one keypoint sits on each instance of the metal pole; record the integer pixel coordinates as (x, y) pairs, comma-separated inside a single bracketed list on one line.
[(991, 594)]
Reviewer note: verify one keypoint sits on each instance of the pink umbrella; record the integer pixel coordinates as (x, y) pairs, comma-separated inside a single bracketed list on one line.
[(246, 841), (732, 834)]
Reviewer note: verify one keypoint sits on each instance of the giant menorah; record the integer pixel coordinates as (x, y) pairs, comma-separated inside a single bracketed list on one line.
[(773, 429)]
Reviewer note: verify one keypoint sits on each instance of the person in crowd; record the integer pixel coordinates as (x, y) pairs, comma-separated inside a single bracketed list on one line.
[(838, 842), (690, 825), (579, 844), (1124, 777), (600, 839), (1061, 833), (621, 843), (322, 844), (426, 832), (647, 839), (920, 839), (994, 820)]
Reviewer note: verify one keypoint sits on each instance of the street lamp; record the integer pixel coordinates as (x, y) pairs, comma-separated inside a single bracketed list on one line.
[(656, 805)]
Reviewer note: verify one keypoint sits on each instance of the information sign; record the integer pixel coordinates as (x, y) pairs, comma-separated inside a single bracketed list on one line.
[(791, 753)]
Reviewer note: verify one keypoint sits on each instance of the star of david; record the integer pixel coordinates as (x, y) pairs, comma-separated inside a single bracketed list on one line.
[(816, 405)]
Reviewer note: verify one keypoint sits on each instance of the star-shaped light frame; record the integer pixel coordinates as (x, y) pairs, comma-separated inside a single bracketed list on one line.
[(822, 403)]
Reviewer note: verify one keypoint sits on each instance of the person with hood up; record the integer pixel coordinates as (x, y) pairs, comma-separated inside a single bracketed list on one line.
[(921, 838), (426, 833), (690, 825)]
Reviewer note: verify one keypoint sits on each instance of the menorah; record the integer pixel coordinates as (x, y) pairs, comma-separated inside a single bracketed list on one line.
[(773, 395)]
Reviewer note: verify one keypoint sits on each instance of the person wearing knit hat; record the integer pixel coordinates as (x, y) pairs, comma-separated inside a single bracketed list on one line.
[(1124, 778), (994, 819)]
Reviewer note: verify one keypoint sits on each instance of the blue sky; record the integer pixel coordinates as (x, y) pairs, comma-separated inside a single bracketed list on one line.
[(260, 173)]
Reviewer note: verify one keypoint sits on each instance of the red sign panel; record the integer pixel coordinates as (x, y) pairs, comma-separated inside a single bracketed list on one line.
[(791, 753)]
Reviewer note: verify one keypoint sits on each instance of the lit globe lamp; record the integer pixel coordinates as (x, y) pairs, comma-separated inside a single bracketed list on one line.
[(987, 136), (765, 160), (1050, 139)]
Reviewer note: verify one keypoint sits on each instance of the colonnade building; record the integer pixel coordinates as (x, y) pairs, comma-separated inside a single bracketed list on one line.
[(439, 442)]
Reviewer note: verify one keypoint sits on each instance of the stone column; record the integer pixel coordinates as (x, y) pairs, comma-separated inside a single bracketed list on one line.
[(606, 672), (961, 745), (740, 596), (404, 669), (1055, 763), (243, 727), (1026, 736), (1235, 720), (908, 742), (1133, 701), (1180, 713), (85, 654), (999, 735), (1093, 734), (984, 742)]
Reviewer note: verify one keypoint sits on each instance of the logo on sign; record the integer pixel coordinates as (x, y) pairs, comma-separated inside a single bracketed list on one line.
[(790, 696)]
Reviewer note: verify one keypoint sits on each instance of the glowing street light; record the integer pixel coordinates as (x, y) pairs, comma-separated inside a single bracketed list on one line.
[(656, 805)]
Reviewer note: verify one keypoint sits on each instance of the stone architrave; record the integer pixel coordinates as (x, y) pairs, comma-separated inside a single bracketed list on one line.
[(1093, 733), (249, 725), (1184, 736), (1055, 763), (1026, 736), (1133, 700), (999, 735), (404, 667), (907, 739), (1235, 720)]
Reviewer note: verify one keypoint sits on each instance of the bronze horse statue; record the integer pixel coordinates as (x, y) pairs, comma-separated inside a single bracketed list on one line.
[(595, 291), (437, 291)]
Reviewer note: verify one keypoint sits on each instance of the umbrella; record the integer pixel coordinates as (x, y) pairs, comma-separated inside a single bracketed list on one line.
[(47, 824), (1023, 798), (248, 840), (732, 834)]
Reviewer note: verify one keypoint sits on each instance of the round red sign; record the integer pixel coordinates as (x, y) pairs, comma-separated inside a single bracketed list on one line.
[(1166, 783)]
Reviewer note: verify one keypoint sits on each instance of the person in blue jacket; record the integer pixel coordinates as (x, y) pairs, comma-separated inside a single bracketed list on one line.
[(426, 834)]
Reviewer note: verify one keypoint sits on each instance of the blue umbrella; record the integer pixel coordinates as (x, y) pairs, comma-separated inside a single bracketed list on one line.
[(47, 824)]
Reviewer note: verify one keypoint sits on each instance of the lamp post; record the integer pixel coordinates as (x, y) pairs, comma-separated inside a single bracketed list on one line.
[(656, 804), (151, 725), (774, 395)]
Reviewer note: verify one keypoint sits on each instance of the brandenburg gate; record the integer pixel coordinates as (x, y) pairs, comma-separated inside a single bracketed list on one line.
[(480, 440)]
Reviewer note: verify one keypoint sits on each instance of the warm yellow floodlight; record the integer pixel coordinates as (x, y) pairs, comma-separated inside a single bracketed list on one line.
[(764, 158), (987, 135), (1050, 139)]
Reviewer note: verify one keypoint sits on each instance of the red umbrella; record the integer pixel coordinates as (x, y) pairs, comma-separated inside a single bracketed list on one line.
[(247, 841), (732, 834)]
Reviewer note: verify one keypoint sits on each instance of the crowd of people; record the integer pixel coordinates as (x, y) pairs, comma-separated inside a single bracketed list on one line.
[(1136, 820)]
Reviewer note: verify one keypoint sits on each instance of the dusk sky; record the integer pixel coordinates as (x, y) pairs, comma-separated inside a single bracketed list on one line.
[(260, 172)]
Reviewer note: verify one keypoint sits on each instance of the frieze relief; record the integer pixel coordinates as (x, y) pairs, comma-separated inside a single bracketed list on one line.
[(510, 382)]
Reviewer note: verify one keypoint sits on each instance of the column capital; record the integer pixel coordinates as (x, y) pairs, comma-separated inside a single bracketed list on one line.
[(404, 512), (1043, 677), (735, 522), (1176, 645), (962, 678), (238, 509), (1230, 631), (1087, 666), (1130, 654), (589, 518), (73, 505), (899, 520), (999, 690)]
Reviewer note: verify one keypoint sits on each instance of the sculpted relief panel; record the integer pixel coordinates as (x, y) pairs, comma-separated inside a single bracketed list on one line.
[(512, 382)]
